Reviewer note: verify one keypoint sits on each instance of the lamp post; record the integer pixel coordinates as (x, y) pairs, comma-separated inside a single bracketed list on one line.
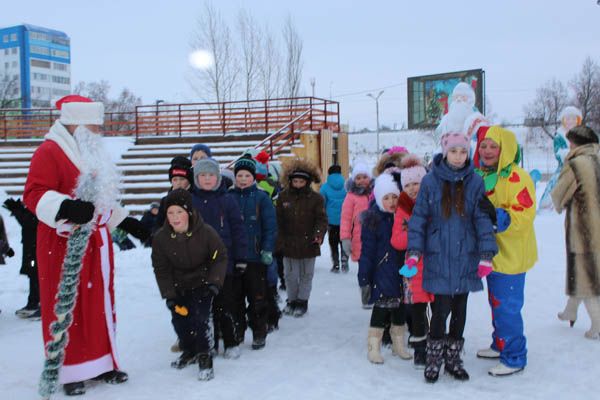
[(157, 102), (376, 98)]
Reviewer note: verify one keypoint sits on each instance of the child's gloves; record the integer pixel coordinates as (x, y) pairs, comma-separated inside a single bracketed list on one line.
[(409, 269), (266, 257), (503, 220), (173, 306), (484, 268), (135, 228), (365, 294), (347, 246)]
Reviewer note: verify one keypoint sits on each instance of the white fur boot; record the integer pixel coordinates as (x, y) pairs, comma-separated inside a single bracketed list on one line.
[(374, 345), (592, 306), (398, 345)]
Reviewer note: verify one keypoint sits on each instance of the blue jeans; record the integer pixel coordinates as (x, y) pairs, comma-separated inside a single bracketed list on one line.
[(506, 297)]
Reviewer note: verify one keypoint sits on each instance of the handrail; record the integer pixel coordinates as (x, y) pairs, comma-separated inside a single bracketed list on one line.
[(277, 132)]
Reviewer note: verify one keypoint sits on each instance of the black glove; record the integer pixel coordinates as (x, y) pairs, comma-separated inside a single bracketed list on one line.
[(10, 252), (210, 290), (76, 211), (487, 207), (240, 266), (135, 228), (11, 204)]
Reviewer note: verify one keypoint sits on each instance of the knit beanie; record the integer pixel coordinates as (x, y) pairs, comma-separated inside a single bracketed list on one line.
[(334, 169), (201, 147), (207, 166), (246, 164), (581, 135), (262, 165), (181, 198), (412, 170), (454, 139), (384, 184), (298, 173), (181, 166), (360, 168)]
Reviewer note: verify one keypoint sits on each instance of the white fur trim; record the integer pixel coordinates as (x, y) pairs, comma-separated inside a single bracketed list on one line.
[(82, 113), (59, 134), (108, 307), (86, 370), (48, 206), (118, 214)]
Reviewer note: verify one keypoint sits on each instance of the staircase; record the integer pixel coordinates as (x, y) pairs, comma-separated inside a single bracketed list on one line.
[(144, 167)]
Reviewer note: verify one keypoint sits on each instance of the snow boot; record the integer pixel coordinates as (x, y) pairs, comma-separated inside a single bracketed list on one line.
[(453, 362), (503, 370), (113, 377), (592, 305), (345, 267), (488, 353), (420, 357), (231, 353), (434, 359), (301, 308), (335, 269), (27, 311), (74, 388), (374, 345), (398, 344), (36, 316), (185, 359), (290, 307), (570, 311), (259, 343), (205, 366)]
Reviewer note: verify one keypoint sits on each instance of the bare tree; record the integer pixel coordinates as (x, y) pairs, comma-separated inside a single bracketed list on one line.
[(251, 52), (293, 61), (217, 82), (545, 108), (586, 85), (97, 91), (270, 66), (9, 90)]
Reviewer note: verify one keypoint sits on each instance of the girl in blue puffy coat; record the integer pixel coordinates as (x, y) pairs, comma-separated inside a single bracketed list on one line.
[(455, 237), (378, 268)]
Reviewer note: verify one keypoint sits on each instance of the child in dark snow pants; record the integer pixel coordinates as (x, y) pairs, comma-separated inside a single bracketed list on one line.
[(334, 193)]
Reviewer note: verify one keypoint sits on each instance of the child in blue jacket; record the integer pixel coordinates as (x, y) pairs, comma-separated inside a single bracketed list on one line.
[(220, 210), (378, 268), (455, 237), (260, 223), (334, 193)]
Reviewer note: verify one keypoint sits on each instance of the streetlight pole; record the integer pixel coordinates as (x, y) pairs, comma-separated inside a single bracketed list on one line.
[(376, 98), (157, 102)]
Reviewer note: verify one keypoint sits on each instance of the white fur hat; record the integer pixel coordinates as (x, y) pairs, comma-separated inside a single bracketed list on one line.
[(79, 110), (360, 167), (384, 184)]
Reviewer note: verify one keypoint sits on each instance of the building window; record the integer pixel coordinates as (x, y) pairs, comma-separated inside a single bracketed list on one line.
[(5, 38), (13, 50), (38, 36), (60, 53), (13, 37), (14, 64), (61, 41), (40, 77), (40, 63), (6, 52), (60, 92), (61, 79), (40, 50), (6, 65), (60, 67)]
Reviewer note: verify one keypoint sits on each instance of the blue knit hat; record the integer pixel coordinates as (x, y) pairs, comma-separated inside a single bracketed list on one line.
[(201, 147)]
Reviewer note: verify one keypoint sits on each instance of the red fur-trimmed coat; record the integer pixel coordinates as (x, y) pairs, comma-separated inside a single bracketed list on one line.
[(413, 287)]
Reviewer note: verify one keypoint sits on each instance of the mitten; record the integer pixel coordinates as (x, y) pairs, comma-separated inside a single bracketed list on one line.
[(484, 268), (347, 246), (10, 252), (365, 294), (266, 257), (11, 204), (135, 228), (76, 211), (409, 269), (503, 220), (172, 304)]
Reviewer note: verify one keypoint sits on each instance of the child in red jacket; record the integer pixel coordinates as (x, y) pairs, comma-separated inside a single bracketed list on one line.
[(411, 175)]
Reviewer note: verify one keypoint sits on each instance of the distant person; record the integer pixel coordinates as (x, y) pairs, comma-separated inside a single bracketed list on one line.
[(334, 194)]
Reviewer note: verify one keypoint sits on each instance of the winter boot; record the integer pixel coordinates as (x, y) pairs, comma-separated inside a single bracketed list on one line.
[(205, 364), (259, 342), (398, 344), (186, 358), (301, 308), (420, 358), (74, 388), (335, 269), (488, 353), (231, 353), (113, 377), (570, 311), (453, 362), (290, 307), (27, 311), (503, 370), (592, 306), (434, 359), (36, 316), (374, 345), (345, 267)]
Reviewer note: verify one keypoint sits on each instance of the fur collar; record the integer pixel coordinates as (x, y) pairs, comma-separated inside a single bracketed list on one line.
[(352, 188), (59, 134)]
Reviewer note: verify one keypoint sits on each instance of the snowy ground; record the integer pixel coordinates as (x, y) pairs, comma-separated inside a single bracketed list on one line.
[(320, 356)]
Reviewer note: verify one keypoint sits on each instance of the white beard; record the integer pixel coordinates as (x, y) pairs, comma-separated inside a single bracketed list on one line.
[(99, 178)]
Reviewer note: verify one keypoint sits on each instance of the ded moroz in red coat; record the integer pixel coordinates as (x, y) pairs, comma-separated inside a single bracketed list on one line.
[(52, 178), (413, 287)]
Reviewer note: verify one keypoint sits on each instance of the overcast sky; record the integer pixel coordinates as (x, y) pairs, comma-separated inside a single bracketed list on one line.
[(349, 46)]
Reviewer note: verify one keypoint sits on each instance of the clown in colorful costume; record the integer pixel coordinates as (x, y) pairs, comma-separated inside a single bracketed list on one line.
[(511, 190), (570, 117)]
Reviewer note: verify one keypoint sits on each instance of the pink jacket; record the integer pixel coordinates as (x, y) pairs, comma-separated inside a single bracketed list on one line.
[(356, 201)]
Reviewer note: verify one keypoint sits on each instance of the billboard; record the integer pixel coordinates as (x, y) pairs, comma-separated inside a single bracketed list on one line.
[(428, 95)]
